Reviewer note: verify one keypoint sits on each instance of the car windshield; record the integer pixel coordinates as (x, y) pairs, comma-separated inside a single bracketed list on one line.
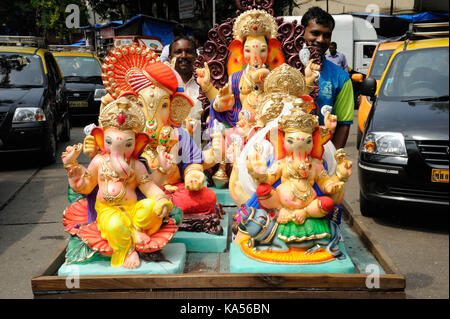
[(380, 61), (20, 70), (77, 68), (417, 73)]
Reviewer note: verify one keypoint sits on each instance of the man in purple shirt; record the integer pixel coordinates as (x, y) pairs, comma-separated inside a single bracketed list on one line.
[(337, 58)]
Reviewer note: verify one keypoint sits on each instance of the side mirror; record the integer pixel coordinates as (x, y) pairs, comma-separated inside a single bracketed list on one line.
[(357, 77), (369, 87)]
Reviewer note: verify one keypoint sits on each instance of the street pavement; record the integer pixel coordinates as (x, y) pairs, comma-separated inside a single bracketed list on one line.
[(32, 200)]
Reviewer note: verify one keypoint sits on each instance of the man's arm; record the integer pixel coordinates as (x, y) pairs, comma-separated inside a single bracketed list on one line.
[(341, 135), (345, 111), (344, 63)]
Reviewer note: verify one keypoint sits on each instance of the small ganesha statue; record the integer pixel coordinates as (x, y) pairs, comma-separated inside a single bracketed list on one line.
[(290, 224), (131, 215)]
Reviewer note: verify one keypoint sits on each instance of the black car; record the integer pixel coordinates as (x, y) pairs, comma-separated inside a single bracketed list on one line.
[(84, 87), (33, 108), (404, 154)]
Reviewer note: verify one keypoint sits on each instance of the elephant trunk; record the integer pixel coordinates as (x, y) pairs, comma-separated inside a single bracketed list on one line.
[(120, 165)]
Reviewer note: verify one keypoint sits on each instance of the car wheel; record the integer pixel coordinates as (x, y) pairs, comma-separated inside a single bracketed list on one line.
[(49, 153), (65, 134), (367, 208)]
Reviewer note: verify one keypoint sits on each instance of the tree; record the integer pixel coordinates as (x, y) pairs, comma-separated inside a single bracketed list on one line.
[(51, 16), (17, 18)]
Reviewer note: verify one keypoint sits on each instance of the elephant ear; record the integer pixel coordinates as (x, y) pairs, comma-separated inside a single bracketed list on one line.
[(98, 134), (142, 140), (236, 60), (275, 55), (180, 107)]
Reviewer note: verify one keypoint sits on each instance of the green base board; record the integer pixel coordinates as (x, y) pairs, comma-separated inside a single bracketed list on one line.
[(175, 254), (240, 263), (223, 196), (204, 242)]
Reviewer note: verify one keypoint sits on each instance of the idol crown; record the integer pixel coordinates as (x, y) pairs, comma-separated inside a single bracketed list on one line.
[(124, 114), (254, 23), (299, 120)]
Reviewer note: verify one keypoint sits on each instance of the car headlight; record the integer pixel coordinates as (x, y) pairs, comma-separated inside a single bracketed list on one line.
[(99, 93), (385, 143), (28, 114)]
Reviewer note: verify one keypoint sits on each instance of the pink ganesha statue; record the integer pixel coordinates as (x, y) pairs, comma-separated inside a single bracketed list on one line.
[(123, 225), (173, 158)]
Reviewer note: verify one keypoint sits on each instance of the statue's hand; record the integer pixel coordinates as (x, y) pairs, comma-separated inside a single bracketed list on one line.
[(218, 146), (344, 170), (283, 216), (191, 125), (312, 73), (90, 148), (162, 208), (224, 100), (165, 159), (259, 75), (333, 187), (233, 152), (330, 121), (256, 164), (71, 154), (194, 180), (204, 77), (299, 216)]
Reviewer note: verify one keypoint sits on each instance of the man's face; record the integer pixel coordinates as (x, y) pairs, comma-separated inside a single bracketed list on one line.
[(332, 49), (185, 53), (318, 35)]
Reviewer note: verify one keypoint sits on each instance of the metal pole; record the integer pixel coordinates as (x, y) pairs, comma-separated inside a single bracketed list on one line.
[(392, 7), (214, 11)]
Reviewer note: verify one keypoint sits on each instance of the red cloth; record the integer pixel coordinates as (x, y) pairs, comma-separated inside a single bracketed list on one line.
[(199, 202)]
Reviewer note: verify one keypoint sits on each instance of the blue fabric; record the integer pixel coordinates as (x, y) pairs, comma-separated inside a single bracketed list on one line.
[(228, 117), (331, 80), (188, 153), (425, 16), (159, 30)]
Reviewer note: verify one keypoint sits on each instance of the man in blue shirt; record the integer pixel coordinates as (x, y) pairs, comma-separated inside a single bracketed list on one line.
[(336, 57), (336, 90)]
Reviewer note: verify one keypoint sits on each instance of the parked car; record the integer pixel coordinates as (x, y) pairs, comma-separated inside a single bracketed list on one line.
[(33, 109), (84, 87), (404, 156), (380, 59)]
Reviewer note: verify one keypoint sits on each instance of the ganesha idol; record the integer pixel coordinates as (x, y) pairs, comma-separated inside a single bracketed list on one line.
[(171, 155), (124, 224), (290, 194), (254, 53)]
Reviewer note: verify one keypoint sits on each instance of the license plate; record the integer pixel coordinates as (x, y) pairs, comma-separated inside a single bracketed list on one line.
[(78, 104), (439, 175)]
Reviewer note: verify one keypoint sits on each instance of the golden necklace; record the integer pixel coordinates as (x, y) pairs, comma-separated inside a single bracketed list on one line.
[(110, 175)]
